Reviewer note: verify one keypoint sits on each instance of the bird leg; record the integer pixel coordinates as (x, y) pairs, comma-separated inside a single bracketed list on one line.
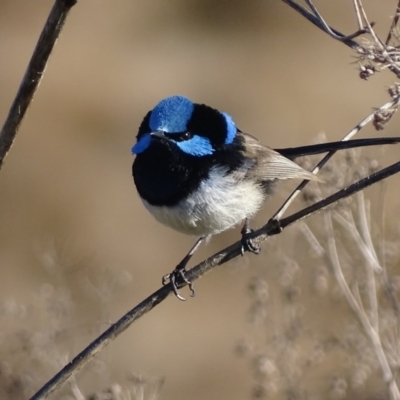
[(247, 242), (178, 274)]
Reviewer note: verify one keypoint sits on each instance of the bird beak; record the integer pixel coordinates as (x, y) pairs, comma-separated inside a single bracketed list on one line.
[(158, 134)]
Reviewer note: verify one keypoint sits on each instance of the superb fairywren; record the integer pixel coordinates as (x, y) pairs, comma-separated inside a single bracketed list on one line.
[(197, 173)]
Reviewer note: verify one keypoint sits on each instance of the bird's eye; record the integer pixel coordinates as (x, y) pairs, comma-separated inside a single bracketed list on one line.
[(180, 137)]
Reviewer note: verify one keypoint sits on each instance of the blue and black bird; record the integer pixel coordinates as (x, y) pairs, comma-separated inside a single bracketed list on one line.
[(197, 173)]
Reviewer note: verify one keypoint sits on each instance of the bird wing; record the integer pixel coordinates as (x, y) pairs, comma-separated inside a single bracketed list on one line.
[(270, 165)]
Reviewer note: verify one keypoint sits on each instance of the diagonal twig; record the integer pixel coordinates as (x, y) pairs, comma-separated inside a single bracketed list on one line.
[(358, 15), (273, 227), (319, 22), (33, 74), (394, 24), (390, 63), (360, 313), (330, 31), (387, 106)]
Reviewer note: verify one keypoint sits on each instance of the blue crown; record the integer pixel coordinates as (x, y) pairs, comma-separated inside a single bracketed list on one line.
[(171, 114)]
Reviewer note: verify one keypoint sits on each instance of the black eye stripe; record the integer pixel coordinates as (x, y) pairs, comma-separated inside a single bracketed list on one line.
[(208, 122), (179, 137)]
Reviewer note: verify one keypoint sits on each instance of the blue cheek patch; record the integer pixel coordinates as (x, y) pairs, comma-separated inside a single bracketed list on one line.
[(230, 128), (197, 146), (171, 114), (142, 144)]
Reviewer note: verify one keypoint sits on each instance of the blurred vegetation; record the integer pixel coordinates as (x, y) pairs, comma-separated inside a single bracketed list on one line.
[(77, 248)]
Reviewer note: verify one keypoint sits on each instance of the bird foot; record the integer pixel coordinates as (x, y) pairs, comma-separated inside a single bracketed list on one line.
[(177, 278), (247, 243)]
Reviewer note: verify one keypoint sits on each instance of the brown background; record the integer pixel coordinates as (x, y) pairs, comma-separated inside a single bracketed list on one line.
[(77, 248)]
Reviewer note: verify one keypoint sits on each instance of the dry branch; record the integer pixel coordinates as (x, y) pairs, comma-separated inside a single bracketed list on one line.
[(34, 74)]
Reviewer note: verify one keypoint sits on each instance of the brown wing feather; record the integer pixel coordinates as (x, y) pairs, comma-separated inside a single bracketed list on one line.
[(270, 165)]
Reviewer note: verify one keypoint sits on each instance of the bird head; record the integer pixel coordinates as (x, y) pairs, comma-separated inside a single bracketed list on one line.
[(178, 124)]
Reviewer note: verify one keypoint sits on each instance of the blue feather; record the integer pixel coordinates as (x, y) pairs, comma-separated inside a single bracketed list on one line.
[(171, 114), (230, 128), (174, 114), (196, 146), (142, 144)]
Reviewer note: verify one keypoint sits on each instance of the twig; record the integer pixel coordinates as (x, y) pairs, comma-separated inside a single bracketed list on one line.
[(394, 24), (362, 317), (33, 74), (366, 237), (392, 64), (358, 15), (364, 226), (352, 230), (271, 228), (278, 215), (379, 52), (369, 25), (76, 391), (321, 24), (326, 28), (101, 342), (372, 264)]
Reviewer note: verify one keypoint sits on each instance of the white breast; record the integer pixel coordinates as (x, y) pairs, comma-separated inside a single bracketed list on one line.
[(220, 203)]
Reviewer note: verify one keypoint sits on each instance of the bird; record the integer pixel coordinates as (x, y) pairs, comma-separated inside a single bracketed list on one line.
[(197, 173)]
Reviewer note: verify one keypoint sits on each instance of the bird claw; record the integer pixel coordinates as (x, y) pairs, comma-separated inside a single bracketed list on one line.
[(176, 279), (247, 242)]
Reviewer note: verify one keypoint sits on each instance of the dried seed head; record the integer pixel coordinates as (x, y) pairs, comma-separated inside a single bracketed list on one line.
[(366, 71), (394, 90), (382, 117)]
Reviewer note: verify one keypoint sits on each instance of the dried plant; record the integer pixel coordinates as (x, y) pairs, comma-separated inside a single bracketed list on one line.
[(284, 351), (283, 348), (354, 264)]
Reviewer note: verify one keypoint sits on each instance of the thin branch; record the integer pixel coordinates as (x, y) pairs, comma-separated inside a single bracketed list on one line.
[(321, 24), (358, 15), (364, 226), (389, 289), (378, 52), (354, 233), (346, 192), (76, 391), (380, 45), (367, 240), (278, 215), (326, 28), (33, 74), (362, 317), (273, 227), (372, 263), (101, 342), (313, 242), (394, 24)]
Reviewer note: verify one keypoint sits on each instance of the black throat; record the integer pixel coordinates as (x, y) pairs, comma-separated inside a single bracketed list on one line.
[(165, 175)]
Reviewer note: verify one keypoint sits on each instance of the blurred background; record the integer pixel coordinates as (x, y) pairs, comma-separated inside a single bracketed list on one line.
[(78, 249)]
